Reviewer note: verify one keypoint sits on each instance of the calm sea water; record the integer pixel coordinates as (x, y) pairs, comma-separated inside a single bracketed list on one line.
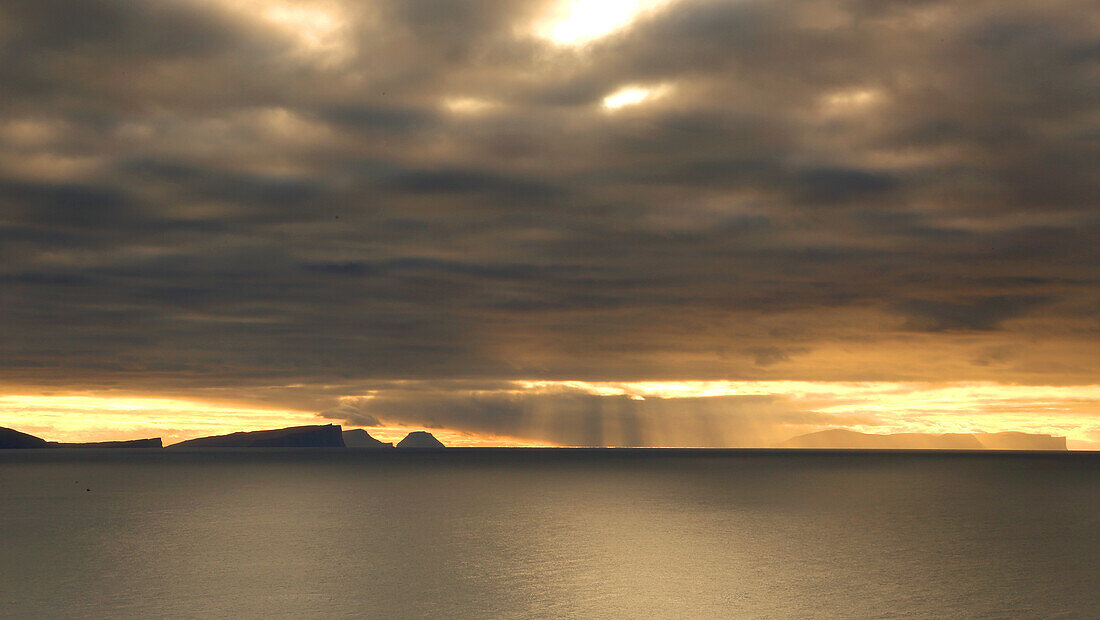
[(518, 534)]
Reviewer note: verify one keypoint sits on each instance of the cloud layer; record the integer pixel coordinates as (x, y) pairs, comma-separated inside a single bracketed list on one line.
[(318, 195)]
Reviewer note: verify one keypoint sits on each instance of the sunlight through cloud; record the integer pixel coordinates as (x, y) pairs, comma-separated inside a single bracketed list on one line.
[(576, 22), (467, 105), (633, 95), (317, 30), (892, 406), (851, 101)]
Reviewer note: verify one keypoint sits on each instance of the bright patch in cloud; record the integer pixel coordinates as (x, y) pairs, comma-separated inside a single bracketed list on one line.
[(853, 100), (318, 29), (633, 95), (467, 105), (576, 22), (313, 25)]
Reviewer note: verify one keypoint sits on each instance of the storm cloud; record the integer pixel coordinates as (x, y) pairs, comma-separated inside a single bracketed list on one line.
[(311, 197)]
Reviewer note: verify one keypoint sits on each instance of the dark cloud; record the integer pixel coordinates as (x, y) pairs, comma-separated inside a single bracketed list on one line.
[(452, 182), (380, 118), (352, 411), (985, 313), (198, 194)]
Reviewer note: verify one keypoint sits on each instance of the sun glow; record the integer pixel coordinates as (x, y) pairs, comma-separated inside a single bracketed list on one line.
[(91, 417), (633, 95), (467, 105), (313, 25), (851, 101), (452, 438), (895, 407), (316, 29), (876, 407), (576, 22), (88, 417)]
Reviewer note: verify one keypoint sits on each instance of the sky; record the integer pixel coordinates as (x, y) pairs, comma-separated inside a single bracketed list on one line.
[(585, 222)]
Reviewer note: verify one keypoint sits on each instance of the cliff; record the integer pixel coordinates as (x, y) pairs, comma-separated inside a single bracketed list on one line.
[(1020, 441), (843, 439), (359, 438), (319, 436), (11, 438), (420, 439)]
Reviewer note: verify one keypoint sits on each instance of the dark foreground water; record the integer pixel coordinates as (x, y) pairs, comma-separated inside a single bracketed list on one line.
[(514, 533)]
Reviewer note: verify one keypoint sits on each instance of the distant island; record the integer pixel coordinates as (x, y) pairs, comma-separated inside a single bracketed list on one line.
[(420, 440), (320, 436), (316, 436), (11, 438), (333, 436), (359, 438), (155, 442), (843, 439)]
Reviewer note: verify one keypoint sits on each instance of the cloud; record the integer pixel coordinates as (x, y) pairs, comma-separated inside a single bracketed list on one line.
[(838, 191), (717, 413), (353, 411), (766, 356), (985, 313), (575, 417)]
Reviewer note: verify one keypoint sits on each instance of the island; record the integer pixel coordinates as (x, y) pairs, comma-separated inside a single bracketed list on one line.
[(359, 438), (132, 443), (13, 439), (316, 436), (420, 440), (843, 439), (333, 436)]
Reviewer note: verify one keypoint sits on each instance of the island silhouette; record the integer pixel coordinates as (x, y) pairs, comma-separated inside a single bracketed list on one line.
[(11, 438), (318, 436), (315, 436), (359, 438), (420, 440), (844, 439), (333, 436)]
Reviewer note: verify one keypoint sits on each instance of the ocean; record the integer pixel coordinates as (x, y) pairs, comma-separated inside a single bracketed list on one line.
[(515, 533)]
